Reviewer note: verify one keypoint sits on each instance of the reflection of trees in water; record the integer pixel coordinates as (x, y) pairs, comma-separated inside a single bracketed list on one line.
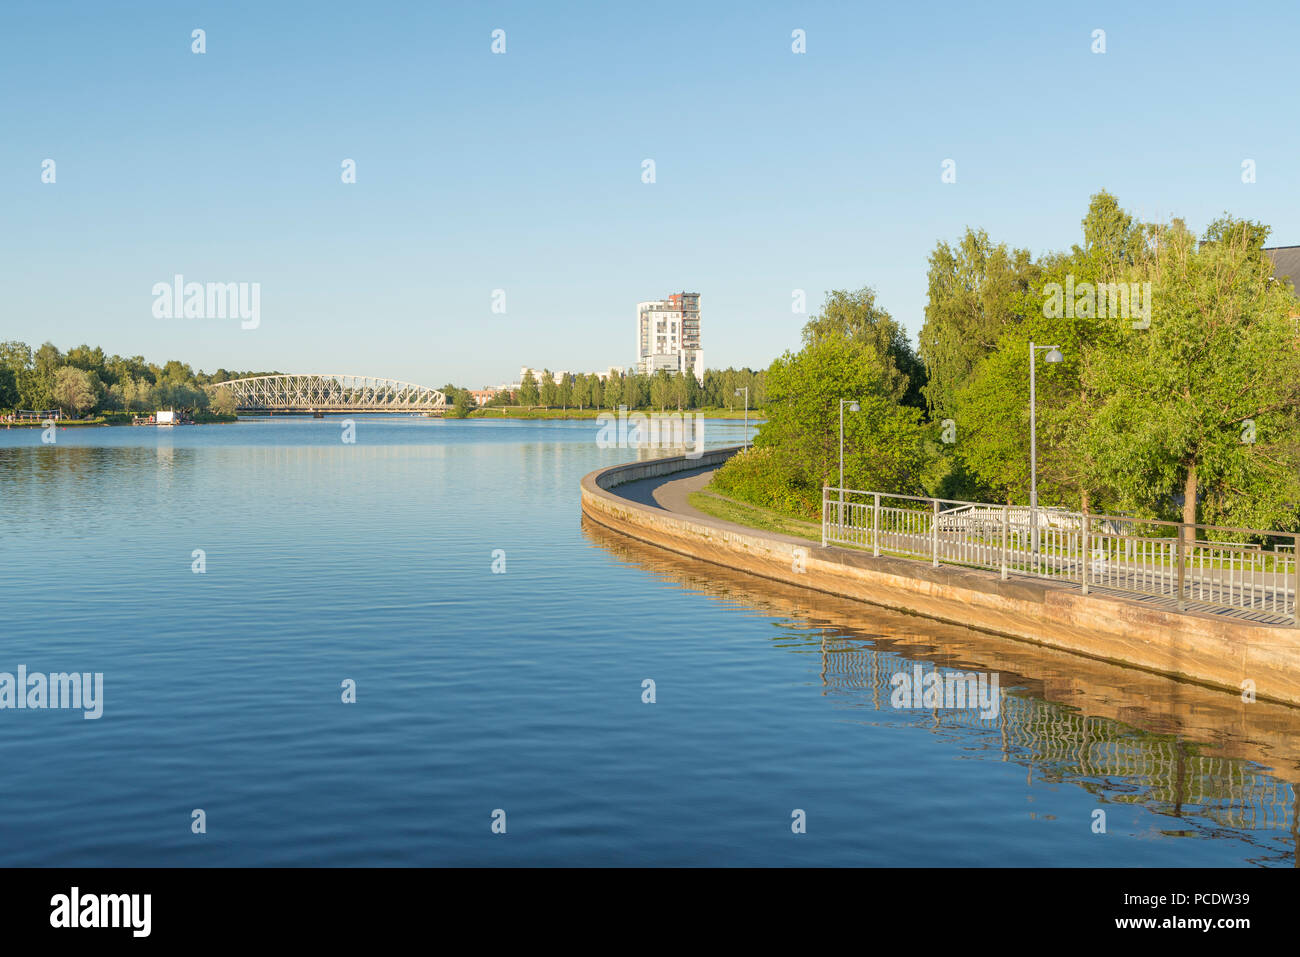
[(1110, 755), (1123, 764)]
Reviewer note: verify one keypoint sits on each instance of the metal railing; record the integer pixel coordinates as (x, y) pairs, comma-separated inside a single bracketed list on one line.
[(1116, 553)]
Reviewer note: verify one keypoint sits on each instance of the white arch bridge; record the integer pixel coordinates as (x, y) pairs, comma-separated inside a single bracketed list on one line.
[(329, 393)]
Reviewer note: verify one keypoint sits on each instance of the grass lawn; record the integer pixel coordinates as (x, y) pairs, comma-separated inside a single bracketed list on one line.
[(742, 513)]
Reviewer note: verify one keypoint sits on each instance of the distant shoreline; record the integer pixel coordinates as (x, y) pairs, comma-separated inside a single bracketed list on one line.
[(107, 423), (515, 412), (479, 415)]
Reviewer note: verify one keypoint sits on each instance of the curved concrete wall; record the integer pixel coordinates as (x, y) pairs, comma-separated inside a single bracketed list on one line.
[(1217, 651)]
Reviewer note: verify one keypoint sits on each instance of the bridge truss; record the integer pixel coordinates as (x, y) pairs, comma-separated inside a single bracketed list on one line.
[(330, 393)]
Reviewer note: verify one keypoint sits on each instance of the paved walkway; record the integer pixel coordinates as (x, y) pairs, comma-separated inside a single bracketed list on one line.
[(669, 492)]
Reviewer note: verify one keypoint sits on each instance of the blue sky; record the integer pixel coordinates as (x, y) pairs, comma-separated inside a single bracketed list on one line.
[(774, 171)]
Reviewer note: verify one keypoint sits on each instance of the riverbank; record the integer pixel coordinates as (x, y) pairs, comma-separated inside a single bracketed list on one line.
[(639, 500), (115, 421), (517, 412), (61, 423)]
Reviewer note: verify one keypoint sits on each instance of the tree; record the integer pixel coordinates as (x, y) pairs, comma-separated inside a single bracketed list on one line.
[(984, 387), (528, 392), (87, 358), (463, 405), (178, 396), (1206, 402), (177, 371), (47, 359), (661, 389), (223, 403), (36, 384), (976, 290), (991, 407), (728, 385), (636, 390), (796, 452), (681, 390), (550, 393), (130, 394), (74, 390), (855, 316), (15, 356), (613, 391), (1109, 233), (8, 388)]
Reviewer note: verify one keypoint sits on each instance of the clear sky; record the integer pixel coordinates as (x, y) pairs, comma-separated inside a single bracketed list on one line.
[(522, 171)]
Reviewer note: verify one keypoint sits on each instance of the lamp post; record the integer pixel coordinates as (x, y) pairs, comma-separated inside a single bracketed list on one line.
[(853, 407), (1053, 355), (745, 389)]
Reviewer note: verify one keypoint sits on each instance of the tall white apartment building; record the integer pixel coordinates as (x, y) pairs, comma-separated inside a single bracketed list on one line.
[(668, 335)]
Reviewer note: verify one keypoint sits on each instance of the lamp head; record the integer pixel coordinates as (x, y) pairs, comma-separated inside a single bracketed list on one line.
[(1054, 355), (853, 407)]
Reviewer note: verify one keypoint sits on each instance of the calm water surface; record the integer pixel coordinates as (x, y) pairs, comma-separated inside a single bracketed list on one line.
[(523, 691)]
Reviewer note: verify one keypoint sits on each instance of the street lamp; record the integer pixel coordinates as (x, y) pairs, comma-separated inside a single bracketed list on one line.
[(853, 407), (1053, 355), (745, 389)]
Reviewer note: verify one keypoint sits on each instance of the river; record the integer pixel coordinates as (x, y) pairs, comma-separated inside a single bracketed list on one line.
[(232, 582)]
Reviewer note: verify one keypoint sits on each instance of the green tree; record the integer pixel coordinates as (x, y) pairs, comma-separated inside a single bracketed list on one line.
[(991, 413), (661, 389), (976, 290), (681, 390), (223, 402), (528, 391), (796, 452), (1110, 233), (8, 388), (74, 390), (463, 405), (1205, 403), (855, 316), (87, 358), (636, 391), (613, 392), (987, 395), (15, 355)]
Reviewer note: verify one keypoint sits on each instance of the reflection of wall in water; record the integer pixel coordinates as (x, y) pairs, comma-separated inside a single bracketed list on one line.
[(1158, 769)]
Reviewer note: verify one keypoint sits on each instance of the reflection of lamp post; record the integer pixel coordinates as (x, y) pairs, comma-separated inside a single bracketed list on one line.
[(745, 389), (1053, 355)]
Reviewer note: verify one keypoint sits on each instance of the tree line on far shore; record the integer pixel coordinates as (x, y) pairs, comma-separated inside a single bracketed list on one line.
[(661, 391), (85, 382), (1185, 406)]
